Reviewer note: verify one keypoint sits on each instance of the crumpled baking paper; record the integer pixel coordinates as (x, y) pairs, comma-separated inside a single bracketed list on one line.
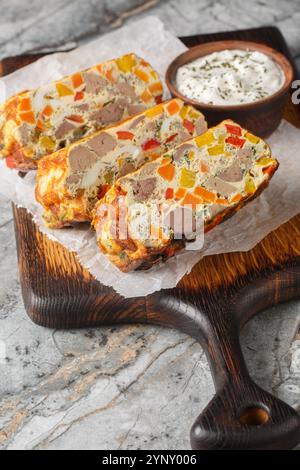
[(277, 204)]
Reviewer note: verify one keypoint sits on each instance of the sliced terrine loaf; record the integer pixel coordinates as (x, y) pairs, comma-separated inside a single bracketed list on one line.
[(211, 176), (70, 181), (38, 122)]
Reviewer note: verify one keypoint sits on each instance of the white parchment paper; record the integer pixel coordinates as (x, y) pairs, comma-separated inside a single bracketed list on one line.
[(278, 203)]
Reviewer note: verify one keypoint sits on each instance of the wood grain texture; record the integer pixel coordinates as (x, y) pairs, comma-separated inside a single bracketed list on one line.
[(211, 304)]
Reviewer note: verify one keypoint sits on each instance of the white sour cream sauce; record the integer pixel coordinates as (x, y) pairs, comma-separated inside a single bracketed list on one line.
[(230, 77)]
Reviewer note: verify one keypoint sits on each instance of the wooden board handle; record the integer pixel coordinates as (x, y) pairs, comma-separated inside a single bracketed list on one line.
[(246, 418), (241, 415)]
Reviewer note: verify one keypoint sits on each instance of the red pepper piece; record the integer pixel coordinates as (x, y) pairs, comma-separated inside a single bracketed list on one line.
[(189, 126), (75, 118), (236, 141), (125, 135), (102, 191), (236, 130), (169, 193), (171, 138), (79, 96), (150, 144)]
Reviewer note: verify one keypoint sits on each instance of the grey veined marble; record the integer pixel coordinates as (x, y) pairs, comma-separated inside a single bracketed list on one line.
[(124, 387)]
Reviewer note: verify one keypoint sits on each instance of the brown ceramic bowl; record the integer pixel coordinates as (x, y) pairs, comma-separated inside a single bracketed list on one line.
[(261, 117)]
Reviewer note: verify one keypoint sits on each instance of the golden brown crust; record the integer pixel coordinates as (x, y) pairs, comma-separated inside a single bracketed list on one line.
[(150, 257)]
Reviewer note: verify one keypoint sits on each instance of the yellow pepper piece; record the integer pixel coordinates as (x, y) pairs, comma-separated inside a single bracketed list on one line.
[(252, 138), (47, 142), (187, 178), (183, 112), (205, 139), (126, 63), (250, 187), (216, 150), (154, 74), (193, 114), (63, 90), (159, 109), (191, 154), (262, 161), (47, 124)]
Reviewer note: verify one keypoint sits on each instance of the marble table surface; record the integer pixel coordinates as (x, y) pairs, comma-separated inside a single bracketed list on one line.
[(122, 387)]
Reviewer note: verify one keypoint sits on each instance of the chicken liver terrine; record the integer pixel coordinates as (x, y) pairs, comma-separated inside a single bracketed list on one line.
[(70, 181), (212, 176), (38, 122)]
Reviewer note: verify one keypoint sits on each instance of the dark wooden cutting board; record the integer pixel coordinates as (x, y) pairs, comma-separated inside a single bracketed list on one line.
[(211, 304)]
